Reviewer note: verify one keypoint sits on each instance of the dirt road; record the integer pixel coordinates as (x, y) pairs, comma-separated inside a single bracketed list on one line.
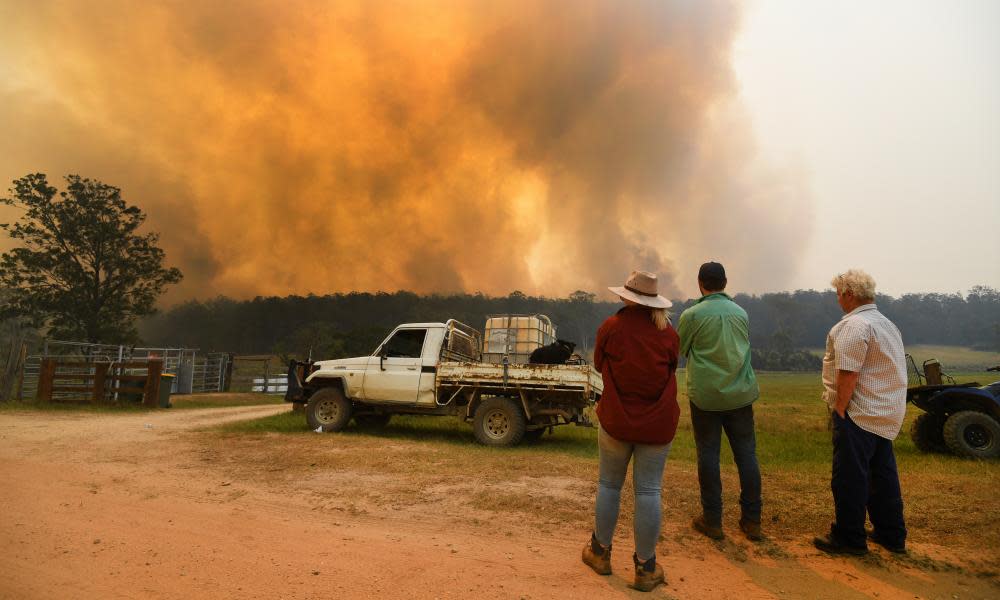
[(137, 506)]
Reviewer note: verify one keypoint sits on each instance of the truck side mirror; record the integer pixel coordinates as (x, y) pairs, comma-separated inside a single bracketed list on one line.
[(381, 359)]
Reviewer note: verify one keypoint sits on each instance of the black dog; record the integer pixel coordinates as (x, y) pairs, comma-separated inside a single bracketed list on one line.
[(553, 354)]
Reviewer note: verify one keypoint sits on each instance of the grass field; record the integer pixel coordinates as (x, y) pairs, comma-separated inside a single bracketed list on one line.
[(945, 496), (178, 402), (955, 357), (952, 358)]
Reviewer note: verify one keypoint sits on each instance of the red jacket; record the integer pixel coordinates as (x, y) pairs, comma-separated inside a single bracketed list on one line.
[(638, 363)]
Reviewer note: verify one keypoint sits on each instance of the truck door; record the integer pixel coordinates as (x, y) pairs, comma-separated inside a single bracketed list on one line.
[(393, 374)]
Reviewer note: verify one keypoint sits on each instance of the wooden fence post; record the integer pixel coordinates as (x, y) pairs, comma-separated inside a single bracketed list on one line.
[(46, 374), (10, 369), (100, 376), (151, 393), (20, 371)]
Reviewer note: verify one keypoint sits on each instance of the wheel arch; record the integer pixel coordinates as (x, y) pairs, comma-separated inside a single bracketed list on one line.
[(953, 401), (521, 399), (318, 383)]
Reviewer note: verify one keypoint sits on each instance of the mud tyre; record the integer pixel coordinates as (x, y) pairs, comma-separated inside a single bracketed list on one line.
[(328, 410), (927, 433), (499, 421), (370, 421), (972, 434)]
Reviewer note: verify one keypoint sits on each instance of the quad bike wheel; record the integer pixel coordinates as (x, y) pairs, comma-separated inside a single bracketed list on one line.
[(972, 434), (928, 433)]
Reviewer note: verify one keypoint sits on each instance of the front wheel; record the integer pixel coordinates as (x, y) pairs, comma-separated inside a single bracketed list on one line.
[(972, 434), (328, 410), (499, 421)]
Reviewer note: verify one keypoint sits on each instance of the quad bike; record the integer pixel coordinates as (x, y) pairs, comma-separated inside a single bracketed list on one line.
[(961, 418)]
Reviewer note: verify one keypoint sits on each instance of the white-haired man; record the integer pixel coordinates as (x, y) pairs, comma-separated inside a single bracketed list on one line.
[(864, 376)]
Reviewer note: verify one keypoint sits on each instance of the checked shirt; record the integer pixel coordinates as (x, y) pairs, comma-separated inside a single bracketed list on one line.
[(866, 342)]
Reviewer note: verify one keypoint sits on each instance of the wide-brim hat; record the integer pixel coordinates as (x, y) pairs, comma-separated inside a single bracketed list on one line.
[(641, 288)]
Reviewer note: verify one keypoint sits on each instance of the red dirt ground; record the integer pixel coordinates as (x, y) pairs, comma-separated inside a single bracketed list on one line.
[(120, 506)]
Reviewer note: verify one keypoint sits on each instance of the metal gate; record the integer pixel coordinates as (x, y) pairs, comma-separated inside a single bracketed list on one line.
[(208, 372), (257, 374), (193, 373)]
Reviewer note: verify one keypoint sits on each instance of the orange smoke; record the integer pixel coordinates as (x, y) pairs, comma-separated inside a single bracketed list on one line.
[(300, 147)]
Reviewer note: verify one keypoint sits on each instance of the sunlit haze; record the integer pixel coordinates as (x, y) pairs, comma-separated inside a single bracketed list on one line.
[(891, 110)]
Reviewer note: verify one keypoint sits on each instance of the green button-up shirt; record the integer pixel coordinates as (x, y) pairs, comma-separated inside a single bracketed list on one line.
[(715, 338)]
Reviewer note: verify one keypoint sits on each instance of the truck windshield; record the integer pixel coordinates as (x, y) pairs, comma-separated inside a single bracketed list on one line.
[(406, 343)]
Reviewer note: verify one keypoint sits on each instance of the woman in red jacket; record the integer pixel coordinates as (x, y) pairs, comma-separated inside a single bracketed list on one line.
[(636, 352)]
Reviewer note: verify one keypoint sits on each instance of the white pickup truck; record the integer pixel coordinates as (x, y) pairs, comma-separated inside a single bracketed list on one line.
[(436, 369)]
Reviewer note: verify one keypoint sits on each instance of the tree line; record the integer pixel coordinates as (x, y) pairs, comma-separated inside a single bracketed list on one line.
[(82, 270), (340, 325)]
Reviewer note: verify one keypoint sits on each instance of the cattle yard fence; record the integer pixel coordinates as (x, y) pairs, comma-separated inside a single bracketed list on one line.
[(75, 380), (194, 372)]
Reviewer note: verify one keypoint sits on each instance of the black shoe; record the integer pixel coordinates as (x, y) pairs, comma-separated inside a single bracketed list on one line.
[(700, 524), (894, 548), (829, 545)]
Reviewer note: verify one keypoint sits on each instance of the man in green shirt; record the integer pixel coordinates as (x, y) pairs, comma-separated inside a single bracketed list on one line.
[(721, 388)]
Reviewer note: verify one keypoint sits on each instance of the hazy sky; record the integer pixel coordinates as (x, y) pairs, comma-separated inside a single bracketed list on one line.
[(891, 110), (308, 146)]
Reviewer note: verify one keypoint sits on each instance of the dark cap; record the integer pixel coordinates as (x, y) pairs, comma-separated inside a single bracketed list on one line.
[(712, 271)]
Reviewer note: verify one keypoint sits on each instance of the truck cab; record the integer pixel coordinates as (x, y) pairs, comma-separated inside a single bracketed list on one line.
[(402, 368)]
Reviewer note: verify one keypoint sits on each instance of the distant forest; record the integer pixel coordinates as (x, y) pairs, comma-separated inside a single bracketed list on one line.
[(341, 325)]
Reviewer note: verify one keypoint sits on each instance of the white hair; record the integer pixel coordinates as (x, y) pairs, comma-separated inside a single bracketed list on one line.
[(861, 285)]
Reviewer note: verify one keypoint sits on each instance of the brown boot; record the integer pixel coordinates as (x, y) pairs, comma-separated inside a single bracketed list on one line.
[(648, 574), (751, 529), (597, 557), (701, 525)]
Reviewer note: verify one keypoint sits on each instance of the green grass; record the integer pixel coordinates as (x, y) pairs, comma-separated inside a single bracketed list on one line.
[(952, 358), (791, 422), (224, 400), (18, 405), (178, 402)]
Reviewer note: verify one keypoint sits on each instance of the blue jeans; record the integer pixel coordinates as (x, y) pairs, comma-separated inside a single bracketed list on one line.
[(738, 425), (865, 480), (647, 477)]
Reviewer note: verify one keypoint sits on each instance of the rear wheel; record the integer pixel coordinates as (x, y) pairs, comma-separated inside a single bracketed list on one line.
[(499, 421), (927, 433), (328, 410), (973, 434)]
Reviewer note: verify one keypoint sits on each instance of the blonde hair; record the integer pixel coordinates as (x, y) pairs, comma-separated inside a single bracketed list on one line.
[(861, 285), (660, 317)]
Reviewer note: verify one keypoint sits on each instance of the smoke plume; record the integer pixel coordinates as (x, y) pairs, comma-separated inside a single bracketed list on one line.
[(307, 146)]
